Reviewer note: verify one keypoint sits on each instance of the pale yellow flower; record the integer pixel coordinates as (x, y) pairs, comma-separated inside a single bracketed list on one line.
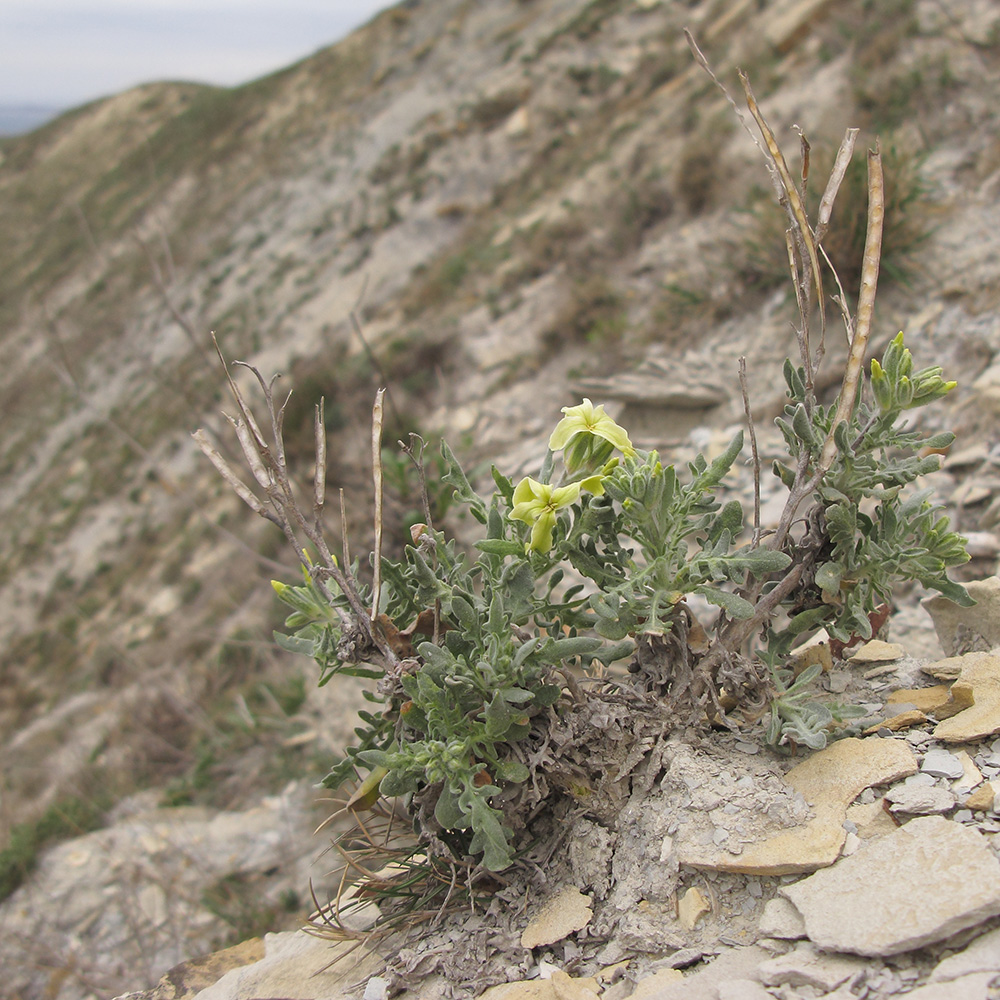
[(537, 504), (593, 421)]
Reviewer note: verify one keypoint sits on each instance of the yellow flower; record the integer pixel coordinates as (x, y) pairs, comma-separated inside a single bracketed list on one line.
[(593, 422), (537, 503)]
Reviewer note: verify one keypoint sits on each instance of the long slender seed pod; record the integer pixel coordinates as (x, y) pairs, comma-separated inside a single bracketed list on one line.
[(866, 303)]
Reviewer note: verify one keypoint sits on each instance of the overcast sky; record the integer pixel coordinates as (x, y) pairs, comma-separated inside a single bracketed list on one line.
[(64, 52)]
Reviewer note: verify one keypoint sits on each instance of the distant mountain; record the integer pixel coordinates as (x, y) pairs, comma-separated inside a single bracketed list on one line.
[(16, 119)]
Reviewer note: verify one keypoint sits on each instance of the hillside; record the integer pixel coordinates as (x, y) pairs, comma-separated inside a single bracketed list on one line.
[(490, 208)]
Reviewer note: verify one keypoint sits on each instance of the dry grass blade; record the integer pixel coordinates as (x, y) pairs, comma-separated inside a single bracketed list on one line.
[(700, 59), (795, 205), (319, 474), (344, 540), (844, 156), (245, 410), (753, 450), (377, 424), (238, 486), (866, 303), (250, 452)]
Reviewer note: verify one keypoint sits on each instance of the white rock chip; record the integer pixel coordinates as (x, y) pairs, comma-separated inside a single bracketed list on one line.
[(982, 955), (743, 989), (298, 965), (942, 764), (805, 966), (972, 987), (780, 919), (881, 901), (915, 800), (562, 914)]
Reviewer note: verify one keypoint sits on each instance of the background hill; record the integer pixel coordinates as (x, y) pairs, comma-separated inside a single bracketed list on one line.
[(491, 208)]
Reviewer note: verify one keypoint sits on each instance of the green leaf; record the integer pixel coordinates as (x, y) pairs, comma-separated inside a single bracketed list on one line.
[(547, 694), (828, 577), (720, 466), (294, 644), (505, 486), (464, 492), (563, 649), (512, 770), (806, 620), (448, 811), (615, 651), (735, 607), (760, 562), (489, 837), (499, 716), (516, 695), (500, 547), (398, 782), (465, 614), (375, 758), (953, 591)]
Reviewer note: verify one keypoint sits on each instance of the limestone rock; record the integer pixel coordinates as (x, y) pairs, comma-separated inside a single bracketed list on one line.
[(871, 819), (559, 986), (972, 987), (978, 681), (982, 955), (942, 764), (189, 978), (927, 699), (781, 920), (298, 966), (896, 723), (880, 901), (692, 906), (829, 781), (983, 798), (877, 651), (135, 892), (971, 777), (562, 914), (916, 800), (737, 963), (650, 987), (806, 966), (743, 989), (957, 626)]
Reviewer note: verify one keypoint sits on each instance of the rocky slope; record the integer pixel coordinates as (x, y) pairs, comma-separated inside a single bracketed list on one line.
[(517, 201)]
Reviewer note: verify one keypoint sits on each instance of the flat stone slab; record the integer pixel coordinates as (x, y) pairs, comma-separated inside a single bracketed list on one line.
[(563, 914), (921, 884), (977, 686), (829, 781)]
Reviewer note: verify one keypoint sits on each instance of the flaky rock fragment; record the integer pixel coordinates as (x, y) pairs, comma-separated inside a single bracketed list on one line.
[(919, 800), (559, 986), (877, 651), (896, 723), (977, 682), (983, 798), (691, 907), (926, 699), (781, 920), (651, 986), (880, 901), (960, 629), (805, 966), (975, 986), (981, 955), (829, 781), (562, 914)]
